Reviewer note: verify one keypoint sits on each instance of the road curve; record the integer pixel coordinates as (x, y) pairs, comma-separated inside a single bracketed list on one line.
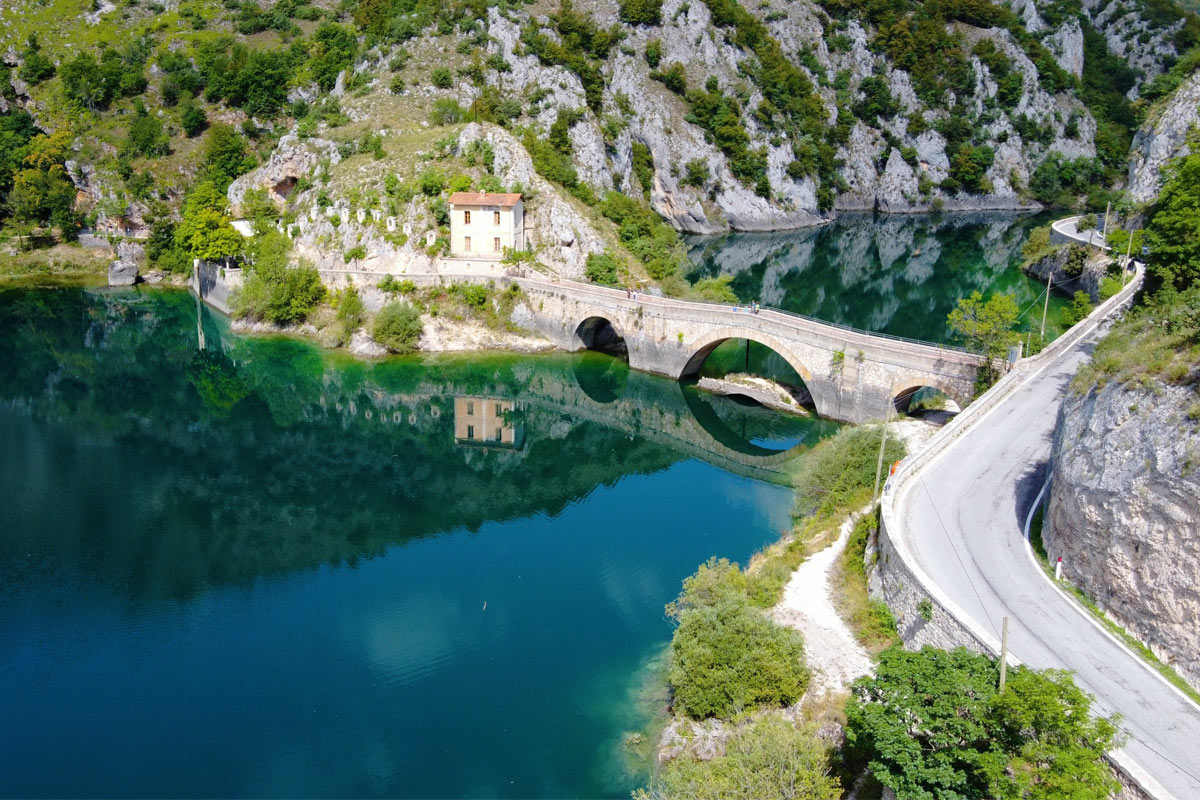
[(963, 518)]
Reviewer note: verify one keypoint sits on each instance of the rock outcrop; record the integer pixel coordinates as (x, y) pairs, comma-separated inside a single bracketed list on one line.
[(124, 271), (1124, 511), (1072, 268), (1162, 138)]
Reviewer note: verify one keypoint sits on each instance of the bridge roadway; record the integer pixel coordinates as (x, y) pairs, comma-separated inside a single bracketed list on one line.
[(961, 519), (852, 375)]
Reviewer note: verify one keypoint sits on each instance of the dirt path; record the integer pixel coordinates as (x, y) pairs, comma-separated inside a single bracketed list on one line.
[(835, 656)]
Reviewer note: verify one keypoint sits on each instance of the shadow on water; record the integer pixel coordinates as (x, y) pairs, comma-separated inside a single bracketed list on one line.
[(252, 457)]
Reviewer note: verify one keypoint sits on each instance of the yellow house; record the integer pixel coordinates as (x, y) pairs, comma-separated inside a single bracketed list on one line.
[(485, 224)]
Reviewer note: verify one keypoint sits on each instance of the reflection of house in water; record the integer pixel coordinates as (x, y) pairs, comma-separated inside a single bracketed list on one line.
[(487, 421)]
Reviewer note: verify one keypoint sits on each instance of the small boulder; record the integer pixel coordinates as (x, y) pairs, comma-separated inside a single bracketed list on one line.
[(122, 273)]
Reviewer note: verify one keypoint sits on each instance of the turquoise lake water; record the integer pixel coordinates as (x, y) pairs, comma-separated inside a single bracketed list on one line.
[(250, 567)]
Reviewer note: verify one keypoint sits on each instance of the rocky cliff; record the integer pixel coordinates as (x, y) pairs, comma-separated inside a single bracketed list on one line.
[(1124, 511), (1163, 138)]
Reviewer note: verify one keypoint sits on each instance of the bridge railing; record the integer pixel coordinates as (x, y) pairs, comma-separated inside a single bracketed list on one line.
[(765, 312)]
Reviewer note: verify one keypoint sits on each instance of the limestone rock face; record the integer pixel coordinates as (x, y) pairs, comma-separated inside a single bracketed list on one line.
[(294, 158), (1163, 137), (1124, 512)]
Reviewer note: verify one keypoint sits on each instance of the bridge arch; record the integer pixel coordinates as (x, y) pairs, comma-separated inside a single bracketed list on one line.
[(597, 331), (902, 392), (702, 347)]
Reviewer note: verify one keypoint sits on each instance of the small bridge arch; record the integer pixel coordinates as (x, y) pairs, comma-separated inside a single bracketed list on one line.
[(902, 392), (598, 331)]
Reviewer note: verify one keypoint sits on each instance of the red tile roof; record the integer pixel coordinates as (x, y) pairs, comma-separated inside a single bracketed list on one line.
[(502, 199)]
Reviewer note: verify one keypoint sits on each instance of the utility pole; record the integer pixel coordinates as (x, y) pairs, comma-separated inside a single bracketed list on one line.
[(1046, 307), (1125, 267), (1107, 209), (1003, 654), (882, 443)]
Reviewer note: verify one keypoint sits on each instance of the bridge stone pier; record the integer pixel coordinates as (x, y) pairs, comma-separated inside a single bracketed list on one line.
[(853, 376)]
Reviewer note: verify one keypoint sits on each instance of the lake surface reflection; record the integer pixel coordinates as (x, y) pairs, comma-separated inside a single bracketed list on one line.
[(257, 568)]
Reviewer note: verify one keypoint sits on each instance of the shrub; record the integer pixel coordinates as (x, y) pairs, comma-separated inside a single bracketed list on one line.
[(273, 290), (643, 167), (728, 657), (1080, 307), (654, 53), (397, 327), (602, 269), (716, 290), (447, 112), (641, 12), (441, 78), (840, 470), (695, 172), (349, 306), (673, 77), (767, 758), (192, 118), (1087, 222)]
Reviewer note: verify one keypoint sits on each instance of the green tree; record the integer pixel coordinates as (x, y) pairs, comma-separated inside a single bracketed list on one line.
[(1173, 230), (932, 724), (192, 118), (602, 269), (41, 190), (332, 50), (207, 234), (273, 289), (35, 66), (146, 135), (226, 155), (987, 327)]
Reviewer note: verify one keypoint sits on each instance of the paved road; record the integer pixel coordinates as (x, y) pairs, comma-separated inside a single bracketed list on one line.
[(964, 516)]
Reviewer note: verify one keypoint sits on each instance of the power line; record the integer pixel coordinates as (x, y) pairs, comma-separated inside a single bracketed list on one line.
[(961, 564)]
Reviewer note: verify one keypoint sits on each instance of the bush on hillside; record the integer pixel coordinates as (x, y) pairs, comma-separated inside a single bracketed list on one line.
[(602, 269), (767, 758), (397, 327), (839, 471), (728, 658)]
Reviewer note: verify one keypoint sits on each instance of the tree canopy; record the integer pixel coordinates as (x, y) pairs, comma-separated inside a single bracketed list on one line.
[(986, 327), (932, 724), (1173, 230)]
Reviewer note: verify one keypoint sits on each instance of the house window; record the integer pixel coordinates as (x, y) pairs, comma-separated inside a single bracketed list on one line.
[(471, 408), (500, 434), (499, 411), (495, 217), (467, 243), (466, 218), (496, 244), (471, 432)]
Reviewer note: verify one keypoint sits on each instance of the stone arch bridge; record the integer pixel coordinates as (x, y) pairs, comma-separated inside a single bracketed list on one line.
[(853, 376)]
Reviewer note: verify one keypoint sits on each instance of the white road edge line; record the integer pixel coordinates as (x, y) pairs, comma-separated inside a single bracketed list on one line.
[(1088, 614)]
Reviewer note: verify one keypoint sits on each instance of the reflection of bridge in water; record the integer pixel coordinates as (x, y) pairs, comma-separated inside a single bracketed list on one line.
[(605, 392)]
